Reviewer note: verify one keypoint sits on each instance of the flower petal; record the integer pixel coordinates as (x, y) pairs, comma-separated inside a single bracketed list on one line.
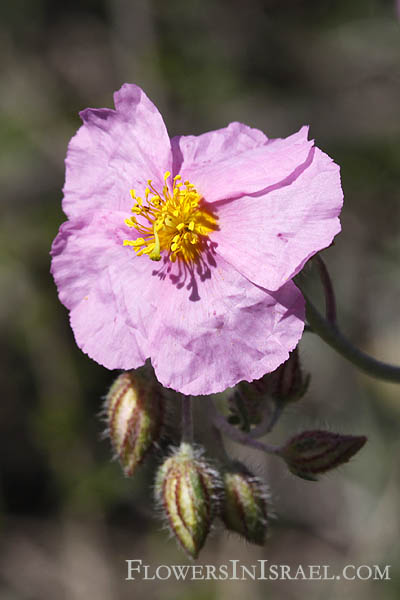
[(228, 331), (83, 249), (86, 252), (104, 333), (237, 160), (269, 237), (214, 145), (115, 151)]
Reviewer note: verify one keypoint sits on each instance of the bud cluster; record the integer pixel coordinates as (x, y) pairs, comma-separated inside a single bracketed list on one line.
[(189, 492)]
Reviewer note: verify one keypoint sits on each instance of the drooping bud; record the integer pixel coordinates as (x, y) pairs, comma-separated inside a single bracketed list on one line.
[(253, 399), (246, 406), (185, 489), (134, 413), (311, 453), (288, 383), (244, 508)]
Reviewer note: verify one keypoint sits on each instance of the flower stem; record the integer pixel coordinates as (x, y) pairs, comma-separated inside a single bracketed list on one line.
[(220, 446), (240, 436), (268, 422), (330, 301), (331, 334), (187, 420)]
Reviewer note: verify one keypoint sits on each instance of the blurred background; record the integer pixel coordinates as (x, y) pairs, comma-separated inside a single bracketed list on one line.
[(68, 518)]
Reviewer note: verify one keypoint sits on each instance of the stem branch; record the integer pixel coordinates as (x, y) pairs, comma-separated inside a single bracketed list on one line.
[(330, 301), (331, 334), (268, 422), (240, 436)]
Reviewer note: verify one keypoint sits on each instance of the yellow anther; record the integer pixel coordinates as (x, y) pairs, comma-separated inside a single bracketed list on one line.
[(155, 253), (169, 221)]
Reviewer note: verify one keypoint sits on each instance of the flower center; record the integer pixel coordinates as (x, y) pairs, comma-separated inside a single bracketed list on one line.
[(176, 221)]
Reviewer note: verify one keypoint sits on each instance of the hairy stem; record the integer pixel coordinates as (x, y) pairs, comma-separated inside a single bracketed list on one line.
[(241, 437), (221, 450), (187, 419), (268, 422), (330, 301), (331, 334)]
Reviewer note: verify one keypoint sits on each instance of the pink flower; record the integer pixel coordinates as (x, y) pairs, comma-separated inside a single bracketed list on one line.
[(194, 271)]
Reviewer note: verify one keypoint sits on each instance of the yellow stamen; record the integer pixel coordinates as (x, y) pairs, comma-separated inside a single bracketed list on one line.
[(155, 253), (174, 221)]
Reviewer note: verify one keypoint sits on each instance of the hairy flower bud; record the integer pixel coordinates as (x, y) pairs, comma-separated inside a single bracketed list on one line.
[(288, 383), (244, 508), (184, 488), (134, 413), (252, 399), (246, 406), (313, 452)]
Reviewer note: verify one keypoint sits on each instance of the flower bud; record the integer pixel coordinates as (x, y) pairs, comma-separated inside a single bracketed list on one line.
[(184, 488), (134, 413), (246, 406), (288, 383), (244, 508), (313, 452)]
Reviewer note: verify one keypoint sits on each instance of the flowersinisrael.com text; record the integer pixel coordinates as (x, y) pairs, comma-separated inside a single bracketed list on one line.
[(261, 570)]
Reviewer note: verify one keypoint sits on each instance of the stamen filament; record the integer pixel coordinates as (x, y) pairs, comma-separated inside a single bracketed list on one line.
[(177, 221)]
